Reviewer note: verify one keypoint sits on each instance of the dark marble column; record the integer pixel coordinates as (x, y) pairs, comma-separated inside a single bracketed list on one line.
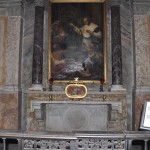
[(38, 46), (116, 45), (37, 67)]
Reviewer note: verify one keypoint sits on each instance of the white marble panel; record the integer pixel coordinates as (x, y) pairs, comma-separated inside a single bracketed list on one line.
[(13, 51), (142, 51)]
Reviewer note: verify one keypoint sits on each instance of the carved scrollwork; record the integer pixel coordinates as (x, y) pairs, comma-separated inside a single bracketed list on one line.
[(28, 144), (119, 144), (101, 144), (81, 144), (47, 144)]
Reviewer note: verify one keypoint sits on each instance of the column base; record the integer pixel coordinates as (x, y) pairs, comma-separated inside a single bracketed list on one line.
[(117, 88), (36, 87)]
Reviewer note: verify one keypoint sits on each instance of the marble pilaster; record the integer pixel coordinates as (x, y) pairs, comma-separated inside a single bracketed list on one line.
[(142, 50), (13, 53), (28, 39), (126, 19)]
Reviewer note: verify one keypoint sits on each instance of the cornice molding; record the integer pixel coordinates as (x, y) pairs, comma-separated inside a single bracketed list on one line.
[(42, 3), (11, 2), (21, 3), (12, 7), (39, 2), (113, 2), (141, 2)]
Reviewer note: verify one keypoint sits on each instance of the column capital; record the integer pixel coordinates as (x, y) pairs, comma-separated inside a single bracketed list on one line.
[(35, 2), (114, 2), (42, 3), (39, 3), (28, 1)]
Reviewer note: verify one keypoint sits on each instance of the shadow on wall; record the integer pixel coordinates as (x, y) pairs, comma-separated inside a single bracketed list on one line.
[(11, 144)]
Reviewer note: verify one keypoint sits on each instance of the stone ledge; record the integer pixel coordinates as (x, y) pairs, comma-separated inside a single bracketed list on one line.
[(63, 92)]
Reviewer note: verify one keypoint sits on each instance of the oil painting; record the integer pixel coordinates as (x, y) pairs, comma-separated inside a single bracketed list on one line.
[(77, 41)]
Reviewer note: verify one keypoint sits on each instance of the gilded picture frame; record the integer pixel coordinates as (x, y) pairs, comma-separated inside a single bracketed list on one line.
[(77, 40)]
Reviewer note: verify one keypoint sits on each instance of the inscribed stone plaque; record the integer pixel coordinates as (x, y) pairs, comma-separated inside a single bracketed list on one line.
[(76, 117)]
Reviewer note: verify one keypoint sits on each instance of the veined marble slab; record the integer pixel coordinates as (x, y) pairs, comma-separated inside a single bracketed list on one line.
[(142, 50), (76, 117)]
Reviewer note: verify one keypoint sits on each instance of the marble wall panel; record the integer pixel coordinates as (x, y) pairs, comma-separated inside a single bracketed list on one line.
[(28, 44), (142, 51), (141, 98), (13, 51), (108, 45), (127, 54), (76, 117), (3, 35), (126, 42), (9, 111), (142, 55), (45, 47)]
